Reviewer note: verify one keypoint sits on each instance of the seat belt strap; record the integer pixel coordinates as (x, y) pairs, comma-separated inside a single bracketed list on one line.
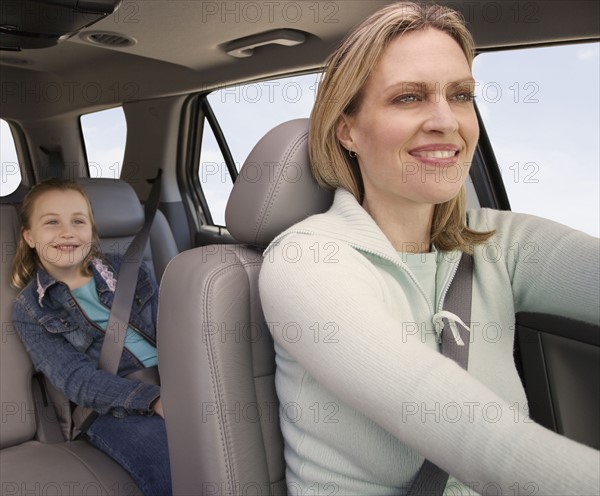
[(118, 321), (458, 302), (48, 429), (431, 480)]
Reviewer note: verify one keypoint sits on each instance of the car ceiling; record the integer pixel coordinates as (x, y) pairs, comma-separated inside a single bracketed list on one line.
[(180, 47)]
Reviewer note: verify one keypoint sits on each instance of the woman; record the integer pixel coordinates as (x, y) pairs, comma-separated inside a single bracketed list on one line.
[(394, 130)]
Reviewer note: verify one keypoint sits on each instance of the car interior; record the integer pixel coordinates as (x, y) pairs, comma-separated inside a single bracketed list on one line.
[(159, 62)]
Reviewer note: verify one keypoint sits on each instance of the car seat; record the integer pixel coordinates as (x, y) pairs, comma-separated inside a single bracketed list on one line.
[(119, 216), (218, 365), (29, 464)]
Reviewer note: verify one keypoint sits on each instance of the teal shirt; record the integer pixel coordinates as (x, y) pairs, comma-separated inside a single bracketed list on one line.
[(87, 297)]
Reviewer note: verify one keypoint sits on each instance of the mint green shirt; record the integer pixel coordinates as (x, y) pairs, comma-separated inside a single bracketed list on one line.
[(366, 394), (424, 268), (87, 297)]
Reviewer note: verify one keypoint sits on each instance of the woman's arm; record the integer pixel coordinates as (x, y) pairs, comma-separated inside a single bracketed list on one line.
[(554, 269), (394, 375)]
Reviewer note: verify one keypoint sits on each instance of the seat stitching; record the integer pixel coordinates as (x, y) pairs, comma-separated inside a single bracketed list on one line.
[(215, 379), (214, 367), (267, 205)]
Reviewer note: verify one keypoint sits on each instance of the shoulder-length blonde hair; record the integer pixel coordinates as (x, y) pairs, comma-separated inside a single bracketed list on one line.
[(26, 259), (340, 93)]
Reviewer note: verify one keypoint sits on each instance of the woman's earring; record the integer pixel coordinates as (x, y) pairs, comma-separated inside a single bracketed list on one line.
[(352, 153)]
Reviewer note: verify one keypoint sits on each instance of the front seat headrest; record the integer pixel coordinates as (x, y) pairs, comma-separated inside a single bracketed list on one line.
[(275, 188)]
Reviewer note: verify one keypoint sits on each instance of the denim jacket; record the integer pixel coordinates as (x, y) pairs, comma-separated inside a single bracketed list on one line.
[(64, 344)]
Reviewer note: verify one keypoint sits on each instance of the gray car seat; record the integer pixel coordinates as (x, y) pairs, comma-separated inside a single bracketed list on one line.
[(218, 365), (119, 216), (27, 464)]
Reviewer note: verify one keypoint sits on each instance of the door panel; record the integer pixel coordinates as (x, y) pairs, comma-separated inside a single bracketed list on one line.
[(560, 364)]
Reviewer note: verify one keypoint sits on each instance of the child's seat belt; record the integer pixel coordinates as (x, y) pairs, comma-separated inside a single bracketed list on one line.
[(431, 480), (118, 321)]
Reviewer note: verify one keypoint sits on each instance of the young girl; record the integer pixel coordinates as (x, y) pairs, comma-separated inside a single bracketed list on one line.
[(393, 131), (61, 314)]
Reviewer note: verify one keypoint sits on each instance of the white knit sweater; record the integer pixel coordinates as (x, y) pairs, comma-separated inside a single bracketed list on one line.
[(365, 393)]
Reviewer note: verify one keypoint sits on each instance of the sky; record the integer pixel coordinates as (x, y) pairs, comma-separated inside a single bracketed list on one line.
[(541, 111), (540, 107)]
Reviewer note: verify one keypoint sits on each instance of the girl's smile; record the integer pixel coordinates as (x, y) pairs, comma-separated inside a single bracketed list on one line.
[(61, 233)]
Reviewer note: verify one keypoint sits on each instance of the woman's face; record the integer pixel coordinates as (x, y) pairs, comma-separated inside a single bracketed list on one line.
[(416, 130)]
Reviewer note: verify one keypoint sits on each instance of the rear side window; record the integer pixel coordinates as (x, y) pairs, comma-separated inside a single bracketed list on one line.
[(541, 107), (245, 113), (11, 171), (104, 135)]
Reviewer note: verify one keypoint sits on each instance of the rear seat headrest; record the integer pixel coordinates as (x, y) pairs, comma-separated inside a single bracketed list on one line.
[(275, 187), (117, 209)]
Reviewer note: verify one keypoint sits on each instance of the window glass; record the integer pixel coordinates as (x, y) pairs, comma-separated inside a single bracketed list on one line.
[(104, 135), (541, 111), (245, 113), (11, 172)]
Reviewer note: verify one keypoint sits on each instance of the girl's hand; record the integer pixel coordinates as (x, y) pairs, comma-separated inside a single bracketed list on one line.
[(158, 408)]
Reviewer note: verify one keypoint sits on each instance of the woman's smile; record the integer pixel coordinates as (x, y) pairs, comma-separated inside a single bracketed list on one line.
[(436, 154)]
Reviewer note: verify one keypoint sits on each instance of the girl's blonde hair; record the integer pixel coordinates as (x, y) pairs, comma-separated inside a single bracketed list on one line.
[(26, 259), (340, 93)]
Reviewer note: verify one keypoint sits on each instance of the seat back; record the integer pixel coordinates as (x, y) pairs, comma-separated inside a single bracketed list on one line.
[(119, 216), (218, 365), (17, 407)]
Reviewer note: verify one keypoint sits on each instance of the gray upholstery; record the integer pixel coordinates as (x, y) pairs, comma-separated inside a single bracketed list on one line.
[(275, 188), (218, 364), (18, 421), (117, 210), (28, 465), (75, 468), (119, 216)]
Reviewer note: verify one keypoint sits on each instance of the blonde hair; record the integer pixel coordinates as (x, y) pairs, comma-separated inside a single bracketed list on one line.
[(26, 260), (340, 93)]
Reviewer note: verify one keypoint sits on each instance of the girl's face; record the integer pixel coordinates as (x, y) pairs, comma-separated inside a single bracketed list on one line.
[(60, 232), (416, 129)]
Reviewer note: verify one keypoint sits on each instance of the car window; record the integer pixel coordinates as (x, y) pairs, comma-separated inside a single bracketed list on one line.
[(245, 113), (104, 135), (540, 107), (11, 172)]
